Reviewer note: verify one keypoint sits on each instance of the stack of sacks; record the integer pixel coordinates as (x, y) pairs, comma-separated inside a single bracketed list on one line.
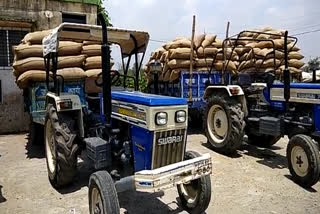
[(263, 56), (29, 64), (175, 56)]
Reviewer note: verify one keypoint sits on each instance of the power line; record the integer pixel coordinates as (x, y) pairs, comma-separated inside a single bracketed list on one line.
[(306, 32), (157, 40)]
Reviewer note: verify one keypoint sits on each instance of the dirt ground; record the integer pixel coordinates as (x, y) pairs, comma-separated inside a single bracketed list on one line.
[(255, 180)]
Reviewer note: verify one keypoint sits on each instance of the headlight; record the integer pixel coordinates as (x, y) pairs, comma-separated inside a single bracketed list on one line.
[(161, 118), (181, 116)]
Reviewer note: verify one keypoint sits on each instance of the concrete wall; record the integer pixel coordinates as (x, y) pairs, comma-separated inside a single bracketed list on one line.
[(44, 14), (31, 15)]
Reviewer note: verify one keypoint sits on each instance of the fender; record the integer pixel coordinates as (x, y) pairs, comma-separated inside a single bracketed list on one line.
[(231, 90), (75, 106)]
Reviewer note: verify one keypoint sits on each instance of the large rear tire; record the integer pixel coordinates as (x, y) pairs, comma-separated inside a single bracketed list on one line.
[(195, 196), (303, 160), (103, 198), (265, 141), (61, 149), (224, 123)]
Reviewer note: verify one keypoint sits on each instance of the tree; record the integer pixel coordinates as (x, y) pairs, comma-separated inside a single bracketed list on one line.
[(102, 9), (314, 64)]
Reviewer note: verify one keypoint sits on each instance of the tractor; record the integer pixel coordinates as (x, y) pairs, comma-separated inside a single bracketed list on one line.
[(264, 106), (135, 141)]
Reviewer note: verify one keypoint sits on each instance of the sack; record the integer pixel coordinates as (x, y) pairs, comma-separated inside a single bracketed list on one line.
[(93, 62), (166, 76), (291, 69), (91, 43), (270, 63), (68, 74), (198, 40), (72, 73), (31, 63), (217, 44), (208, 40), (35, 37), (93, 73), (296, 63), (23, 51), (69, 48), (209, 51), (180, 53), (70, 61), (174, 75), (295, 55), (164, 57), (179, 63), (91, 50), (183, 43)]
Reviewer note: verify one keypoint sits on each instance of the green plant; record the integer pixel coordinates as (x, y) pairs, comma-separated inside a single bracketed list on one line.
[(102, 9)]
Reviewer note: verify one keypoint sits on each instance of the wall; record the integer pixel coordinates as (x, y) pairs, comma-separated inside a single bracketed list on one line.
[(31, 15)]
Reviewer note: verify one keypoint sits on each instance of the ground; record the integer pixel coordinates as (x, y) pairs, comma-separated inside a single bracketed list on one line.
[(255, 180)]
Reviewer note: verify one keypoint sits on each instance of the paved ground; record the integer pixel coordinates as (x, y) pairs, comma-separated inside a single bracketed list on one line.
[(253, 181)]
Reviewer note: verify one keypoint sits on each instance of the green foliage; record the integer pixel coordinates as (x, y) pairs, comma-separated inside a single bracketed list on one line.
[(104, 12), (130, 81), (314, 64)]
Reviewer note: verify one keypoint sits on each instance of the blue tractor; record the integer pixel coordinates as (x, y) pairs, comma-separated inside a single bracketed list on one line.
[(135, 141), (258, 105)]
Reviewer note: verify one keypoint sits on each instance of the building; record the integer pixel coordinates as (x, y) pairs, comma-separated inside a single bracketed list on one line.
[(17, 18)]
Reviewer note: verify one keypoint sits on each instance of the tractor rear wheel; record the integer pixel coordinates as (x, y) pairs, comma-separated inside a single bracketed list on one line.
[(224, 123), (303, 160), (61, 149), (103, 198), (262, 140), (195, 195)]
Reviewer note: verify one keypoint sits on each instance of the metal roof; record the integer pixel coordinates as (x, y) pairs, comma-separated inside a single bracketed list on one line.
[(123, 37)]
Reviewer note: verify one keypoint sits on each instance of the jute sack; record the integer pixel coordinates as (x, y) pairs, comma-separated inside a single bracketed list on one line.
[(31, 63), (91, 50), (93, 73), (68, 74), (183, 43), (208, 51), (72, 73), (23, 51), (270, 63), (296, 63), (291, 69), (165, 68), (198, 40), (179, 63), (164, 57), (94, 62), (217, 44), (208, 40), (166, 76), (218, 65), (67, 48), (31, 75), (180, 53), (91, 43), (263, 36), (71, 61), (244, 40), (174, 75), (35, 37), (295, 55)]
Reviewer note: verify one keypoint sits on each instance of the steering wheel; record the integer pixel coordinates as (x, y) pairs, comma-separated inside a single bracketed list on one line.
[(115, 76)]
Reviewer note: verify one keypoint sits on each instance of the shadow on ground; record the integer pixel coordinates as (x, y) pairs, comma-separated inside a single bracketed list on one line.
[(267, 156), (309, 189), (34, 151), (2, 199), (154, 205)]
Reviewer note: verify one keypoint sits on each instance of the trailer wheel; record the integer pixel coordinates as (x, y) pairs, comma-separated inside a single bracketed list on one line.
[(263, 140), (303, 160), (224, 123), (61, 149), (103, 198), (195, 195)]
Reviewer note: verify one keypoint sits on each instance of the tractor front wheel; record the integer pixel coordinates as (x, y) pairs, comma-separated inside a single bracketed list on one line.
[(195, 195), (103, 198), (303, 160), (224, 123), (61, 149)]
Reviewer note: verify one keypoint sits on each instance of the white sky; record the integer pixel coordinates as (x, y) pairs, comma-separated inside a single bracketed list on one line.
[(167, 19)]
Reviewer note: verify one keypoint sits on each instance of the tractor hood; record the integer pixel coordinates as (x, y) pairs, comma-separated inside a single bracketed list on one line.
[(147, 99)]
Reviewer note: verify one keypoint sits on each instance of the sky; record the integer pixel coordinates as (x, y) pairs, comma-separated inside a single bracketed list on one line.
[(167, 19)]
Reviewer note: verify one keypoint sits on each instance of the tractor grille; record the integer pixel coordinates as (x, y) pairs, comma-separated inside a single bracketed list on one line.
[(168, 147)]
